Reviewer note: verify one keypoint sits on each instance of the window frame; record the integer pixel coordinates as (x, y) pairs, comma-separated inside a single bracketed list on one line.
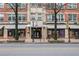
[(71, 18), (72, 5), (1, 16)]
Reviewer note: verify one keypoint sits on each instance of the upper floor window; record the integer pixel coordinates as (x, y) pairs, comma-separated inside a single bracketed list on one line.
[(33, 16), (33, 5), (72, 5), (1, 17), (50, 6), (20, 5), (53, 6), (11, 17), (60, 17), (1, 5), (50, 17), (60, 5), (38, 5), (11, 5), (72, 17), (39, 16), (21, 17)]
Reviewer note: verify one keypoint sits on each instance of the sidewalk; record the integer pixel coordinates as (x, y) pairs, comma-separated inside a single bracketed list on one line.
[(72, 41)]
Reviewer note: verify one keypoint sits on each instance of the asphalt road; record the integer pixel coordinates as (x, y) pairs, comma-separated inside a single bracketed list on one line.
[(21, 49)]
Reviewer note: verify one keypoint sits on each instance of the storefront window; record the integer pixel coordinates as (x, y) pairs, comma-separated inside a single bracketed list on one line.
[(21, 32), (1, 32), (60, 33), (74, 33)]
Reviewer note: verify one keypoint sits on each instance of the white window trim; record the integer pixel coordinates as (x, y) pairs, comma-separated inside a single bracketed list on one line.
[(18, 16), (49, 20), (61, 17), (73, 19)]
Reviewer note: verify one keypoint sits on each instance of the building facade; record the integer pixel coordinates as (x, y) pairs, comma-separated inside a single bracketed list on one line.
[(36, 22)]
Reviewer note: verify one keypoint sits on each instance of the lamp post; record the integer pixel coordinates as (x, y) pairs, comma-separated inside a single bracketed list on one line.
[(69, 34)]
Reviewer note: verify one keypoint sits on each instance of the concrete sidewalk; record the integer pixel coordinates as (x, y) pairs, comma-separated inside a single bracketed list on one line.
[(72, 41)]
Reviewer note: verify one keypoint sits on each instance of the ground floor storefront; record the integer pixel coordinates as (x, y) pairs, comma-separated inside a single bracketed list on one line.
[(39, 34)]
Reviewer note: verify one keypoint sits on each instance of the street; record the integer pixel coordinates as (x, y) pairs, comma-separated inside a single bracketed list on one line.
[(22, 49)]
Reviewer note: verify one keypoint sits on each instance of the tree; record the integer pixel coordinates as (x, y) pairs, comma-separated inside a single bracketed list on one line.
[(57, 7), (14, 7)]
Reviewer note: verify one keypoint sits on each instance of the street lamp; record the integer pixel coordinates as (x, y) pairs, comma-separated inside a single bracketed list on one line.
[(69, 34)]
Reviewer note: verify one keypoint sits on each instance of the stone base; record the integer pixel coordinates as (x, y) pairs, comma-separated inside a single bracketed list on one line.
[(28, 40), (44, 40)]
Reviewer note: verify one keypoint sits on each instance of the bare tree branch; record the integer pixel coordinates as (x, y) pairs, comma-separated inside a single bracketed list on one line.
[(13, 7), (60, 8)]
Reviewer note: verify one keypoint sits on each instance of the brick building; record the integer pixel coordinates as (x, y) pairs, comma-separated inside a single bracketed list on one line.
[(36, 22)]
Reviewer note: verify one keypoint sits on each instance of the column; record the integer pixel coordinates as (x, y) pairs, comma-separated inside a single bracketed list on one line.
[(5, 34), (44, 34), (66, 35), (28, 35)]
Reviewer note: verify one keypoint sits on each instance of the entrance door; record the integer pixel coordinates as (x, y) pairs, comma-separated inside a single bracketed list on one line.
[(36, 33)]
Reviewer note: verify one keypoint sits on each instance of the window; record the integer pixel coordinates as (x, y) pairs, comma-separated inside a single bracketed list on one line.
[(50, 17), (21, 32), (11, 17), (11, 4), (1, 17), (51, 33), (52, 5), (11, 32), (33, 5), (39, 5), (36, 5), (72, 17), (39, 16), (21, 17), (1, 5), (1, 32), (60, 5), (60, 17), (21, 5), (33, 15), (72, 5)]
